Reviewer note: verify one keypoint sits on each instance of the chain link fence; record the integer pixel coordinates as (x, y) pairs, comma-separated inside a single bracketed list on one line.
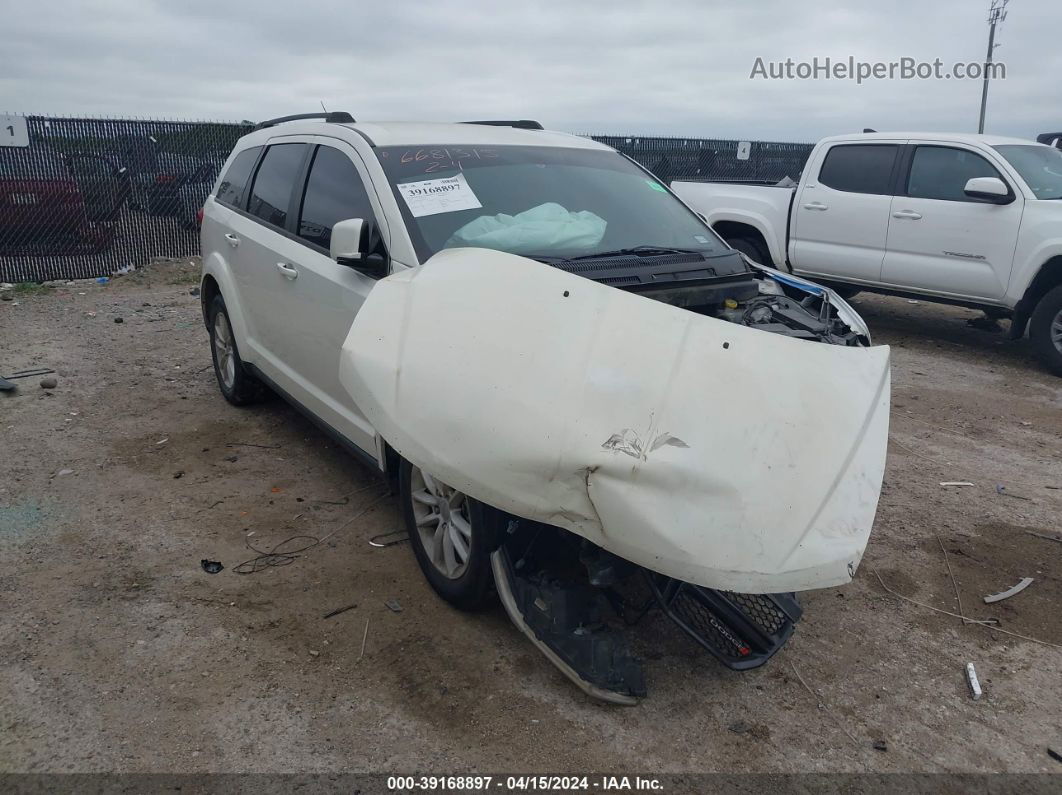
[(82, 198), (88, 197), (713, 159)]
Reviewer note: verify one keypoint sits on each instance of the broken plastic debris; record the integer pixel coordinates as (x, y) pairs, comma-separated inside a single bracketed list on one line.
[(955, 483), (971, 677), (1016, 589)]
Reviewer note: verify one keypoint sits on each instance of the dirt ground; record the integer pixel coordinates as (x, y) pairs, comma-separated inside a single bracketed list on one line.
[(119, 653)]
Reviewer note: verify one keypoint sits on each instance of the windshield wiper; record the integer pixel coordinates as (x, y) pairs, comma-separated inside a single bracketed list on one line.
[(635, 250)]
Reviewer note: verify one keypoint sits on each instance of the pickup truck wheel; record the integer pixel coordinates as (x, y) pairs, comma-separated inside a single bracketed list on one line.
[(447, 537), (237, 386), (1045, 330), (752, 249)]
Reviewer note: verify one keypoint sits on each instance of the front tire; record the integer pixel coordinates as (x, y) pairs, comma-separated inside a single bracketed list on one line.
[(237, 386), (1045, 330), (450, 537)]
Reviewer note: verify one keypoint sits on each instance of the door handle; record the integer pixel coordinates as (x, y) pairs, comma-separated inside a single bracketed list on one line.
[(907, 214), (815, 206), (287, 271), (233, 240)]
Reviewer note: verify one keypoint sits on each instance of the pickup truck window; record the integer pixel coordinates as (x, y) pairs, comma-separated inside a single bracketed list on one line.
[(1039, 166), (859, 168), (941, 172)]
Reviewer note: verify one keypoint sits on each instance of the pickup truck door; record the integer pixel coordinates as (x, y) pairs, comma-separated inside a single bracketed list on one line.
[(840, 217), (941, 240)]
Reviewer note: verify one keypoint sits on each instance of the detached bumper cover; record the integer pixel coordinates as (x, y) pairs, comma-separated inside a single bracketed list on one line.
[(712, 453)]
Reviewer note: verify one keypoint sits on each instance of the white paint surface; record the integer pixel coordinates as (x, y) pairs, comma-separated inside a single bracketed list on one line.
[(718, 454)]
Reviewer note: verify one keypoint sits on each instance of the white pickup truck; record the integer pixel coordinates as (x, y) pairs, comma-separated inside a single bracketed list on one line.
[(973, 220)]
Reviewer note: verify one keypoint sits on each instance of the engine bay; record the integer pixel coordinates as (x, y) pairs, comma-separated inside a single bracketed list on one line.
[(725, 287)]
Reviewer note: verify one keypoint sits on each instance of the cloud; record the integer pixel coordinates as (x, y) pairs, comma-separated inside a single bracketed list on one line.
[(611, 67)]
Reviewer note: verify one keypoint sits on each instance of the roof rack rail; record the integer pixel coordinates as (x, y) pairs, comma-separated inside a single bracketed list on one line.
[(521, 124), (335, 117)]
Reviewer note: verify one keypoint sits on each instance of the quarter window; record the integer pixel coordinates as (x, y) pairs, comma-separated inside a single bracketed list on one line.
[(271, 193), (941, 172), (231, 189), (859, 168), (334, 192)]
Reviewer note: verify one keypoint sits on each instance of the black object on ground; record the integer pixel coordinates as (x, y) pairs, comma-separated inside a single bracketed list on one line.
[(7, 386), (30, 373), (339, 610), (211, 566)]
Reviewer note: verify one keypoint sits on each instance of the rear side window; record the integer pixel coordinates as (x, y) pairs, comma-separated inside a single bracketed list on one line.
[(860, 168), (231, 189), (334, 192), (271, 193), (941, 172)]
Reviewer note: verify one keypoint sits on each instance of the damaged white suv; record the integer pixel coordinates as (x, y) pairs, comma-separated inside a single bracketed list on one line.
[(590, 403)]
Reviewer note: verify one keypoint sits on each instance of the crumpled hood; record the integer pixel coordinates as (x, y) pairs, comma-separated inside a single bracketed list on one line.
[(718, 454)]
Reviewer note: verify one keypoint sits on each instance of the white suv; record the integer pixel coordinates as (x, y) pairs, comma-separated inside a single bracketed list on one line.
[(560, 364)]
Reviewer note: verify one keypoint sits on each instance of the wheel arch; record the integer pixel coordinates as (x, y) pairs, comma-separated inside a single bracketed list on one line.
[(728, 230), (1047, 278)]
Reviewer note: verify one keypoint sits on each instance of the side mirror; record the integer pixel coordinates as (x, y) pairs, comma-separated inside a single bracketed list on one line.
[(350, 241), (352, 245), (991, 189)]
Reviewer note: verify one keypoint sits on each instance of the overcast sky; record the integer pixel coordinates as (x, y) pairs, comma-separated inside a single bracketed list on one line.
[(676, 67)]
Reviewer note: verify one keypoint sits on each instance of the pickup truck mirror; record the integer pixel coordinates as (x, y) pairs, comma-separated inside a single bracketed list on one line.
[(352, 245), (991, 189)]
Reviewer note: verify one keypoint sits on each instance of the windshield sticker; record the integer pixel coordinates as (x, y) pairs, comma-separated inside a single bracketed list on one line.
[(656, 186), (434, 196)]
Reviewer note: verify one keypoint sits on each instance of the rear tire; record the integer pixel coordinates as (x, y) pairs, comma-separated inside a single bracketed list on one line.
[(1045, 330), (753, 249), (237, 385), (451, 538)]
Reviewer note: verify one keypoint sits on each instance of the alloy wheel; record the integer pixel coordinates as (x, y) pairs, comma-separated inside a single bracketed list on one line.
[(224, 350), (441, 516)]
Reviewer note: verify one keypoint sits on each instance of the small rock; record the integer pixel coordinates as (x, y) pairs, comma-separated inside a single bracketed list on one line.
[(879, 745), (194, 291), (739, 727), (232, 458), (178, 474), (394, 605), (315, 653), (119, 320), (49, 383), (64, 472), (6, 297)]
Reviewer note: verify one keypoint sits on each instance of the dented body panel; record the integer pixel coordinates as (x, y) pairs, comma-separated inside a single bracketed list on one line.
[(704, 450)]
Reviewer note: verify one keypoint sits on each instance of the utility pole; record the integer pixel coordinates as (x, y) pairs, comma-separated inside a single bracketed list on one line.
[(997, 12)]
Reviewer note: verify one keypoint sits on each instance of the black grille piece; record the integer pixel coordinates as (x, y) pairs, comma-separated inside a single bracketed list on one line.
[(741, 630)]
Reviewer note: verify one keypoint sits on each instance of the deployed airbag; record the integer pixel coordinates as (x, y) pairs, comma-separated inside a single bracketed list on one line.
[(547, 227), (708, 451)]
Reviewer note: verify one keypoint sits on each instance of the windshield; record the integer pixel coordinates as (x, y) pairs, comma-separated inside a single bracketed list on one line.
[(547, 202), (1039, 166)]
